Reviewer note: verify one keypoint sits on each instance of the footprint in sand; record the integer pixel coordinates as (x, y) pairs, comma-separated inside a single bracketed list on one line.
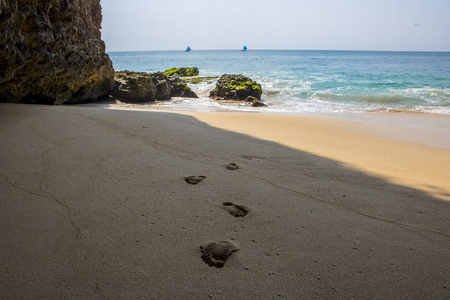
[(236, 210), (232, 166), (194, 179), (215, 254)]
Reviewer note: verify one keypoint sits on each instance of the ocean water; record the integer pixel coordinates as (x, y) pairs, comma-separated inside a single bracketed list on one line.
[(312, 81)]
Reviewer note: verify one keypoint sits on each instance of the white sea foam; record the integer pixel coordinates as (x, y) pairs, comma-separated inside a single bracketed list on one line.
[(313, 81), (287, 97)]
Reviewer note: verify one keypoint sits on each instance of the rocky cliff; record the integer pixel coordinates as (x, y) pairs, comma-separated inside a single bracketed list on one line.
[(51, 52)]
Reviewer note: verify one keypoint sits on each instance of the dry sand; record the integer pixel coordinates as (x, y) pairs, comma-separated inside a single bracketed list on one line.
[(95, 205), (408, 149)]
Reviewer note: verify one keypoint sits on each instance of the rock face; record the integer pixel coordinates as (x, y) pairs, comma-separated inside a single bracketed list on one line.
[(162, 85), (236, 87), (51, 52), (179, 88), (138, 87)]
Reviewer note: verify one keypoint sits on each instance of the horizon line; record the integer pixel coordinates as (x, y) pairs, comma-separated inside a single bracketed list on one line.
[(340, 50)]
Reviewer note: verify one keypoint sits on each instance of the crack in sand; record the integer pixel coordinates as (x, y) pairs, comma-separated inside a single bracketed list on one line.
[(180, 153), (44, 195), (45, 174), (409, 226), (15, 185)]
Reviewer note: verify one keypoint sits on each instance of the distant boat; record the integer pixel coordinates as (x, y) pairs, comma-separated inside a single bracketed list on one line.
[(244, 49), (188, 49)]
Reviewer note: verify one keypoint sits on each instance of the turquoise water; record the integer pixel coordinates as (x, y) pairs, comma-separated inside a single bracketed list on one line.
[(313, 81)]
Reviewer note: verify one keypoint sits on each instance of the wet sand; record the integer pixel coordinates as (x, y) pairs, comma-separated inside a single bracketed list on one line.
[(115, 204)]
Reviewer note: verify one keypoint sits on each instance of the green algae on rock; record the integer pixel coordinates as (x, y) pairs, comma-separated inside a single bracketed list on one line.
[(179, 88), (236, 87), (197, 80), (182, 72)]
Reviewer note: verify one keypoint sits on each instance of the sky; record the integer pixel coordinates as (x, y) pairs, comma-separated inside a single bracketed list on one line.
[(386, 25)]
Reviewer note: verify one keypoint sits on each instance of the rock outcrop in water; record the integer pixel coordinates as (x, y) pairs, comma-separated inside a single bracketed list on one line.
[(236, 87), (239, 88), (255, 102), (51, 52), (179, 88), (182, 72), (139, 87)]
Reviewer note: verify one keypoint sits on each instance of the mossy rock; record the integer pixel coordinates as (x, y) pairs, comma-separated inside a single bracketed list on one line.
[(179, 88), (236, 87), (182, 90), (182, 72), (197, 80), (139, 87)]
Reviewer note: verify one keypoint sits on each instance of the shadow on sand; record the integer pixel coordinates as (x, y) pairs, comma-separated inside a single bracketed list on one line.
[(95, 204)]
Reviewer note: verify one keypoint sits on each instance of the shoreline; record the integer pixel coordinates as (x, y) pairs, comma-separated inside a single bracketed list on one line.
[(407, 149), (430, 121), (234, 106)]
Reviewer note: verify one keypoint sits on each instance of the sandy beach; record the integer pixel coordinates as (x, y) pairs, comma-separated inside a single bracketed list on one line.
[(97, 204)]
